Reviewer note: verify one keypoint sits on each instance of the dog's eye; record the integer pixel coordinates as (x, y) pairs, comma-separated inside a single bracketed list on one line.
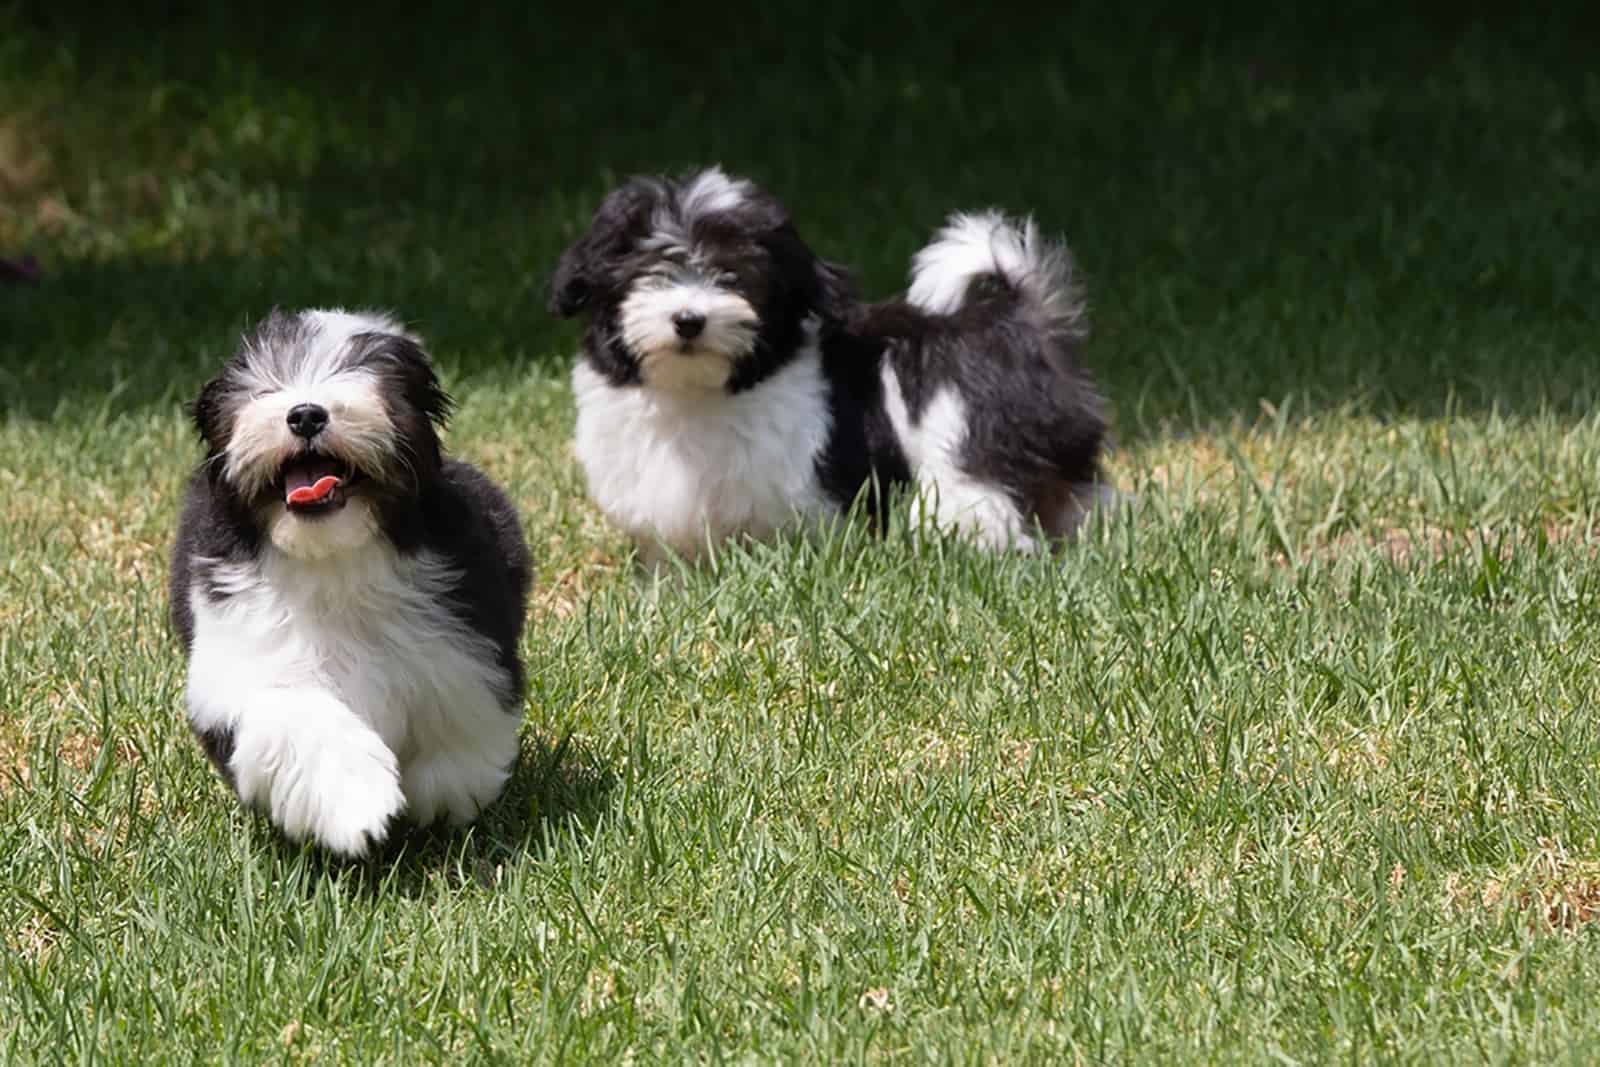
[(728, 278)]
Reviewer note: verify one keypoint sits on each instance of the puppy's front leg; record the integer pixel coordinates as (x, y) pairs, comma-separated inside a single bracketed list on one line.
[(460, 778), (316, 767)]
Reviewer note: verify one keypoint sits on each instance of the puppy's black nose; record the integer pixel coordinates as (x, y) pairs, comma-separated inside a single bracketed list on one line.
[(307, 420), (688, 324)]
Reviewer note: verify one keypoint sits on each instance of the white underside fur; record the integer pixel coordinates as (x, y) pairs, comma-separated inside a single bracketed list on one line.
[(354, 696), (947, 498), (685, 468), (950, 500)]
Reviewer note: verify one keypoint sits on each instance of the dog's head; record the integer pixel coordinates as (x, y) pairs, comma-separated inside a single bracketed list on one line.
[(701, 283), (322, 427)]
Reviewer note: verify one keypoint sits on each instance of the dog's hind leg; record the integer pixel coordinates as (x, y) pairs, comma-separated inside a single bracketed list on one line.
[(983, 514), (948, 497)]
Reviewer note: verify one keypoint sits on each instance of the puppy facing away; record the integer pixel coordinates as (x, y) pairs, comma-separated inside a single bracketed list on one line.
[(730, 384), (1001, 426), (349, 598)]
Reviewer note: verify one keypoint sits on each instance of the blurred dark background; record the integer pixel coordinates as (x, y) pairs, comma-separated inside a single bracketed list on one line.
[(1372, 206)]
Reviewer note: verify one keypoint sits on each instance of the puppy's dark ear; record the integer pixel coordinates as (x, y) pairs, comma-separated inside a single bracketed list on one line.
[(836, 291), (570, 287), (816, 284), (402, 360), (209, 414), (431, 396), (417, 405), (622, 218)]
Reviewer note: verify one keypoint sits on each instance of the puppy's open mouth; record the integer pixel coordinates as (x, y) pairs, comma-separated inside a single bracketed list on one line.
[(314, 484)]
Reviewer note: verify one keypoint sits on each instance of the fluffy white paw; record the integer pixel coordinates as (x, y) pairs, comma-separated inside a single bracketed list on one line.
[(336, 784), (981, 515), (351, 807), (455, 785)]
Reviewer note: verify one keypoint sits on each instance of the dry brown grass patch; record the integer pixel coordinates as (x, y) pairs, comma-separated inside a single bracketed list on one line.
[(1397, 544), (14, 772), (25, 163), (34, 939), (79, 751), (1430, 544), (1199, 463), (1554, 889), (564, 594)]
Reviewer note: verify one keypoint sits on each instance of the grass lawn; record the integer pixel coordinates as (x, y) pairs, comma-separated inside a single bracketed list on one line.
[(1293, 760)]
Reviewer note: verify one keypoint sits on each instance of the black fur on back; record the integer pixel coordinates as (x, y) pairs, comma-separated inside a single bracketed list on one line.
[(863, 453), (1035, 421)]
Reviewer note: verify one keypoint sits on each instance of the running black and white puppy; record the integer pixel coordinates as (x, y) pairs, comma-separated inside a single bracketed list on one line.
[(350, 599), (731, 384)]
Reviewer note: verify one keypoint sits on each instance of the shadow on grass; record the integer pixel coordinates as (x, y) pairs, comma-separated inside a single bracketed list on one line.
[(135, 334), (1290, 203), (558, 786)]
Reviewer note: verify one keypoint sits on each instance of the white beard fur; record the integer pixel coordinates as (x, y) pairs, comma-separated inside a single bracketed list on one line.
[(647, 329), (684, 468)]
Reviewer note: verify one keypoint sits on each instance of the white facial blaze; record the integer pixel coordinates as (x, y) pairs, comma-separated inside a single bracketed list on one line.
[(358, 430), (708, 193), (704, 361), (314, 369)]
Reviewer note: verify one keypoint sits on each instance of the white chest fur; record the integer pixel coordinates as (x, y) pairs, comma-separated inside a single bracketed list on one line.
[(369, 628), (681, 467)]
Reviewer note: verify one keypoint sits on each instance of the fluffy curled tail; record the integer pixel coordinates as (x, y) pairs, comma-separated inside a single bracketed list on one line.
[(989, 246)]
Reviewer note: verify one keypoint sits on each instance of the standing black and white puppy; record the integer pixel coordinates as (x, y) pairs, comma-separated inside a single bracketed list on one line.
[(730, 384), (715, 398), (350, 599)]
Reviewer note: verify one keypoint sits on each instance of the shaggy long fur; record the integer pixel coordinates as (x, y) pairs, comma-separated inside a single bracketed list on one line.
[(352, 658)]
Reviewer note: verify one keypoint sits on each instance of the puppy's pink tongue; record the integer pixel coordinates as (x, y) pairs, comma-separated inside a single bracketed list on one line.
[(311, 494)]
